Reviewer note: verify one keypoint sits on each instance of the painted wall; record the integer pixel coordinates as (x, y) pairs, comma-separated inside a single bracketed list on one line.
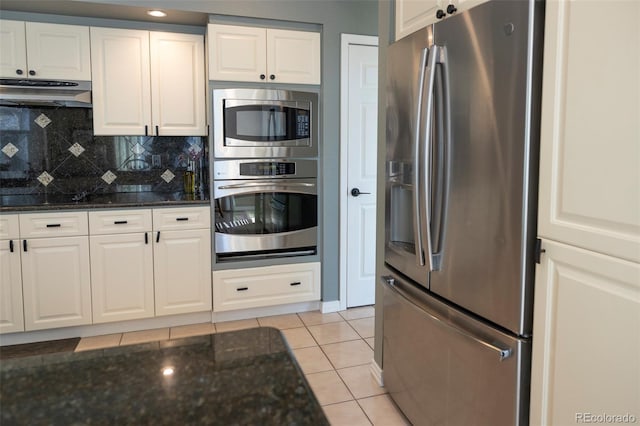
[(335, 17)]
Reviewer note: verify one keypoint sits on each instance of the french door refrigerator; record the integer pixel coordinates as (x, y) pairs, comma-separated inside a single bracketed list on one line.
[(462, 153)]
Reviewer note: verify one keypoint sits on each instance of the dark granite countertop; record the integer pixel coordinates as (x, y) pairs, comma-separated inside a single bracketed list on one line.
[(35, 202), (246, 377)]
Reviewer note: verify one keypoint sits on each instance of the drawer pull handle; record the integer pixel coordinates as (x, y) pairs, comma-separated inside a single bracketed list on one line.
[(53, 225), (24, 245), (295, 283), (119, 222), (182, 218), (242, 288)]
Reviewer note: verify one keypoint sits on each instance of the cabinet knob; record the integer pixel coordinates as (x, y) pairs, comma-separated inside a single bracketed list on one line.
[(272, 77), (32, 72), (440, 14), (451, 9), (19, 72), (262, 76)]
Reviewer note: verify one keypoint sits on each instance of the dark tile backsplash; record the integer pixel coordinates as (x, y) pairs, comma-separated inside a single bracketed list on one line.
[(52, 150)]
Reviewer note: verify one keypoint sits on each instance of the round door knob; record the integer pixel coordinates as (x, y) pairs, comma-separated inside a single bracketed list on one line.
[(32, 72), (356, 192), (272, 77), (451, 9), (262, 76), (440, 14), (19, 72)]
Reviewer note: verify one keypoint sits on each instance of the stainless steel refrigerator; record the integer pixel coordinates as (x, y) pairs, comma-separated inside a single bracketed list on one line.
[(462, 152)]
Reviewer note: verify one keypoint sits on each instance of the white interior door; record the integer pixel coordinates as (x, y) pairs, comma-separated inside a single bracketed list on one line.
[(360, 115)]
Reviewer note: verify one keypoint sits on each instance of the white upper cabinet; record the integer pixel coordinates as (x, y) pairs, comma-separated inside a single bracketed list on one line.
[(147, 83), (178, 105), (412, 15), (44, 51), (121, 81), (238, 53), (590, 144)]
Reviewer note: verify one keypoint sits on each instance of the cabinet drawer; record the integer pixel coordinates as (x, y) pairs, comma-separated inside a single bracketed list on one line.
[(119, 221), (9, 227), (265, 286), (181, 218), (39, 225)]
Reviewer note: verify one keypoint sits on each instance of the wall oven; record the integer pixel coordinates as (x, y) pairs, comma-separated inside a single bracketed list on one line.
[(265, 123), (265, 208)]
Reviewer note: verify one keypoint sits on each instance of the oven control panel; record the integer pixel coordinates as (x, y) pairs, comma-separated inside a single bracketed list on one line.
[(270, 168), (267, 168)]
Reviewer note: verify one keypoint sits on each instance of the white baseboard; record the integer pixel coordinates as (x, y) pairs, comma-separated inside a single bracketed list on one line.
[(100, 329), (376, 372), (151, 323), (328, 307), (267, 311)]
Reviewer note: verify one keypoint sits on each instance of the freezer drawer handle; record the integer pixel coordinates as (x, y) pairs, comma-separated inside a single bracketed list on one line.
[(502, 353)]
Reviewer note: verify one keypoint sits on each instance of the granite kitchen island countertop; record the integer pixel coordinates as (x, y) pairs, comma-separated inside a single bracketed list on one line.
[(246, 377)]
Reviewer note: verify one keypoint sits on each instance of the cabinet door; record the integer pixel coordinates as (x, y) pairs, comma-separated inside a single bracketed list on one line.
[(412, 15), (13, 49), (589, 153), (121, 82), (121, 277), (11, 315), (293, 56), (177, 84), (182, 271), (58, 51), (56, 282), (237, 53), (586, 344)]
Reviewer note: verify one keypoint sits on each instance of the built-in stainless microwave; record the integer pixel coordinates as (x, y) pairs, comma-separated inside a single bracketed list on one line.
[(265, 123)]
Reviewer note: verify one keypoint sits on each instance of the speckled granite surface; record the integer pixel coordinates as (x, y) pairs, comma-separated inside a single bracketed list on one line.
[(36, 202), (245, 377)]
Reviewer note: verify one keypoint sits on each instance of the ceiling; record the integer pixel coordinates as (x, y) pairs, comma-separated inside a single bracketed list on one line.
[(101, 10)]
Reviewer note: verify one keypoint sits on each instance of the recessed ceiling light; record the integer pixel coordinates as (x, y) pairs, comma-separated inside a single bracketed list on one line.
[(156, 13)]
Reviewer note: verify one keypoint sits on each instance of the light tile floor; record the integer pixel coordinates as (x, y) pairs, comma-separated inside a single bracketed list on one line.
[(334, 351)]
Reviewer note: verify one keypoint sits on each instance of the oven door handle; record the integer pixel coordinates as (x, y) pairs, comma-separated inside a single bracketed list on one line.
[(270, 183)]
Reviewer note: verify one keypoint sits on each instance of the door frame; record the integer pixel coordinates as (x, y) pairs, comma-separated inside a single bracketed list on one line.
[(345, 41)]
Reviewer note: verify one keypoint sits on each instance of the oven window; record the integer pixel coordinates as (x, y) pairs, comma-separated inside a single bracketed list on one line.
[(265, 213), (266, 123)]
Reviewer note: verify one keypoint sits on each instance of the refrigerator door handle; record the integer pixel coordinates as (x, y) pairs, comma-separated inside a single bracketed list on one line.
[(501, 352), (445, 149), (427, 68), (417, 219)]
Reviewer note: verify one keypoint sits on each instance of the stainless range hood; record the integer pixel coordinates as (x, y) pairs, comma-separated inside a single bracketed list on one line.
[(45, 92)]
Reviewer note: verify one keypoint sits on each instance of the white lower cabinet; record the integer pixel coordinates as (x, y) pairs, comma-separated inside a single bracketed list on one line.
[(182, 260), (586, 345), (265, 286), (121, 277), (182, 268), (56, 282), (121, 264), (11, 312)]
